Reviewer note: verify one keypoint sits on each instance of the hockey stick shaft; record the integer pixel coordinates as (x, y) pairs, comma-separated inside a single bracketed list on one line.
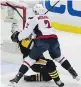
[(51, 7), (21, 15)]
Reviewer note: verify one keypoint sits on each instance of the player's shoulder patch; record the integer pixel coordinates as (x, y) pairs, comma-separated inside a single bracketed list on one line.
[(30, 17), (42, 17)]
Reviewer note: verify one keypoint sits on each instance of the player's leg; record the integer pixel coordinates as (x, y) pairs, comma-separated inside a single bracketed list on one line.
[(66, 64), (37, 77), (51, 68), (55, 53), (23, 69), (40, 76), (48, 72), (40, 67), (45, 76), (38, 48), (45, 68), (30, 78)]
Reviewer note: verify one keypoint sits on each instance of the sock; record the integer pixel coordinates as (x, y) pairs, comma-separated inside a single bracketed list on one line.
[(23, 69), (66, 64), (51, 67), (54, 75)]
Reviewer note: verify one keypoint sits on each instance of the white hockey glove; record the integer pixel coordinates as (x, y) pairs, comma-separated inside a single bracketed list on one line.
[(15, 31), (15, 27)]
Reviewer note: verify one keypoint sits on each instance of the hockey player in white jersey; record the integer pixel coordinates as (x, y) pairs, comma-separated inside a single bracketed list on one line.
[(45, 39)]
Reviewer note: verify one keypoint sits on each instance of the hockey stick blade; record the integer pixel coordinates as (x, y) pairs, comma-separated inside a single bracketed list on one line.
[(51, 7)]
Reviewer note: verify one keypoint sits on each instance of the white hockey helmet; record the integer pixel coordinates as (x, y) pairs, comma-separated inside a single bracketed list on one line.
[(38, 9)]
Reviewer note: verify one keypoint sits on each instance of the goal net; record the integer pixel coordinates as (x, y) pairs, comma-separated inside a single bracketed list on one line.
[(10, 16)]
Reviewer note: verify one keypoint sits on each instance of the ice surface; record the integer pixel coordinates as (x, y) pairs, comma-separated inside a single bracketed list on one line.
[(71, 48), (69, 82)]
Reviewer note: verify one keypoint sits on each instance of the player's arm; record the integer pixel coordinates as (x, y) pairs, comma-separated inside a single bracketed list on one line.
[(26, 32)]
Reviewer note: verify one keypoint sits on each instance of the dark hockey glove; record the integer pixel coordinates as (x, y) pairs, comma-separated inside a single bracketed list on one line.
[(14, 37)]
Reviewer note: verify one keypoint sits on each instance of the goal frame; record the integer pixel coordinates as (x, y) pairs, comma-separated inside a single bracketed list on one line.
[(20, 7)]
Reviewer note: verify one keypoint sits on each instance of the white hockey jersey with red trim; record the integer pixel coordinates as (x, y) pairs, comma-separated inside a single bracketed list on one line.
[(39, 25)]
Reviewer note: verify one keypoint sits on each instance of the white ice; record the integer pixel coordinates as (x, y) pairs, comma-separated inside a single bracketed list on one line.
[(71, 48)]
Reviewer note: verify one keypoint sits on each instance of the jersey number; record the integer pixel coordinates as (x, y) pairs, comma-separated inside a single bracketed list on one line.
[(47, 23)]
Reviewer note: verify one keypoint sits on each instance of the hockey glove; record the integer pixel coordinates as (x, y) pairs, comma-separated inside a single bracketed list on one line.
[(14, 36)]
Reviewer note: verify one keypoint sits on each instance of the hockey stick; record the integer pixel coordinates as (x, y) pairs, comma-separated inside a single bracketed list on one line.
[(21, 15), (15, 10), (51, 7)]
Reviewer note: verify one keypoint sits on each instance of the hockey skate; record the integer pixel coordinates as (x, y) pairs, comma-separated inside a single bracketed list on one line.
[(14, 81), (59, 83), (74, 74)]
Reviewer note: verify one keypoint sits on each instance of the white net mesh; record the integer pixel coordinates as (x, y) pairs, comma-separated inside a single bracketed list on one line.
[(10, 19), (9, 16), (29, 3)]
